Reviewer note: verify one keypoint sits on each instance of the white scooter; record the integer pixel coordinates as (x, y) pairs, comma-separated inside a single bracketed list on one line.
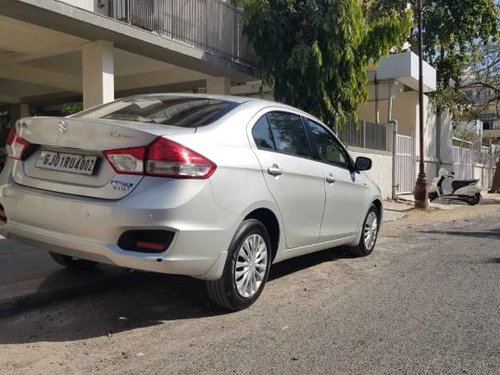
[(468, 191)]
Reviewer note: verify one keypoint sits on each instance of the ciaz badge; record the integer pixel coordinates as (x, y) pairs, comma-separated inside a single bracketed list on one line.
[(121, 186)]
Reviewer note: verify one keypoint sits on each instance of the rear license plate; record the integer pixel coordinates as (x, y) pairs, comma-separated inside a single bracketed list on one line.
[(72, 163)]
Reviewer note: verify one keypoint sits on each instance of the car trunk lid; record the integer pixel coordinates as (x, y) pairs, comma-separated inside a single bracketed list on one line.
[(70, 159)]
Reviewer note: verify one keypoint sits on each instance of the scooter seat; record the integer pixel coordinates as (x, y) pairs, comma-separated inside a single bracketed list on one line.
[(461, 183)]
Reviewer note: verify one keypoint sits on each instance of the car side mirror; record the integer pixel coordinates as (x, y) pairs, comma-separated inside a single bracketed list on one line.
[(363, 164)]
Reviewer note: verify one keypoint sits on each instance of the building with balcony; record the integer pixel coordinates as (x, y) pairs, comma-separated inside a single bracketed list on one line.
[(485, 101), (91, 51)]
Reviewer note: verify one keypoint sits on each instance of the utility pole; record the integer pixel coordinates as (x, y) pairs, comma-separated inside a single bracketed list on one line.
[(420, 190)]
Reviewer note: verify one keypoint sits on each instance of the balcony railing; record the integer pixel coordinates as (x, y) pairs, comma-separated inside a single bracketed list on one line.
[(211, 25)]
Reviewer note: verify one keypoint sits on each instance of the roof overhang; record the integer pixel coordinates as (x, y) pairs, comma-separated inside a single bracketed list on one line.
[(403, 68)]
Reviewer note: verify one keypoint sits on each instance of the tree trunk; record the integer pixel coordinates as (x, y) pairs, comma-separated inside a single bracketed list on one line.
[(495, 187)]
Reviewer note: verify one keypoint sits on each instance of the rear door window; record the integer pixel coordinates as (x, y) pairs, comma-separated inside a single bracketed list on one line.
[(183, 111), (262, 136), (288, 133)]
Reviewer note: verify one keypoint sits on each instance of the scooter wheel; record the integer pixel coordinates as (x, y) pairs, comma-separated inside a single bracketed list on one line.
[(474, 200)]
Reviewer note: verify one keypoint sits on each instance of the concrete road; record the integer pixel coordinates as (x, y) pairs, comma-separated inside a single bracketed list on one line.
[(426, 302), (29, 276)]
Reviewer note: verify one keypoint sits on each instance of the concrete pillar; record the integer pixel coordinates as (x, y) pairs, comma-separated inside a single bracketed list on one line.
[(98, 73), (219, 86)]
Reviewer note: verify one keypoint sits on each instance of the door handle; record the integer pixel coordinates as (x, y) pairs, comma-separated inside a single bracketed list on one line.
[(330, 179), (275, 170)]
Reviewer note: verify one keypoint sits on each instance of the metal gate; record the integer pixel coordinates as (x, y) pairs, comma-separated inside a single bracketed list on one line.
[(462, 163), (405, 164)]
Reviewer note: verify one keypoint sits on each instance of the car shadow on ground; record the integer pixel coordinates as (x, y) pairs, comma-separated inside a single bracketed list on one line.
[(492, 233), (128, 301), (306, 261)]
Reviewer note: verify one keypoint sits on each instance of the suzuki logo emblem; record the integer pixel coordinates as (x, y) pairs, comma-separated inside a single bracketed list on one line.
[(63, 127)]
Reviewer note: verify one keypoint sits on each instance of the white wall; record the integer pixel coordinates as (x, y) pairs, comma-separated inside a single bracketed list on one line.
[(446, 139), (404, 109), (381, 172), (482, 174), (429, 131), (485, 175)]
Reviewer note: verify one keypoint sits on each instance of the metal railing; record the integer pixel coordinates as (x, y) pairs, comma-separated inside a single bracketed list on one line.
[(364, 134), (212, 25), (482, 158)]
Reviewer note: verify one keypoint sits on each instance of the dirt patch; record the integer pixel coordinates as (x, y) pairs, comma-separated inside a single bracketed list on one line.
[(460, 212)]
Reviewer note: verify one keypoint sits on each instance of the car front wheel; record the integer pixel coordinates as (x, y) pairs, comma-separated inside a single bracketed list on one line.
[(246, 269), (369, 233)]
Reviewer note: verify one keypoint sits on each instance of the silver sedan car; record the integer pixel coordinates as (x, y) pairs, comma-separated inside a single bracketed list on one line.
[(214, 187)]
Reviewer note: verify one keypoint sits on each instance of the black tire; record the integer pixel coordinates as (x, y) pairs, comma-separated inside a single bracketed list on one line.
[(224, 291), (361, 249), (432, 196), (73, 263), (474, 200)]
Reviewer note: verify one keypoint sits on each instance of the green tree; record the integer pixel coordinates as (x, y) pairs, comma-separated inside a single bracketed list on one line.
[(483, 77), (315, 53), (71, 108), (454, 32)]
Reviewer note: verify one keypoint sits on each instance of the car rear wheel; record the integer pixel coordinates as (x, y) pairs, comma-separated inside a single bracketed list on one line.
[(246, 269), (73, 263), (369, 233)]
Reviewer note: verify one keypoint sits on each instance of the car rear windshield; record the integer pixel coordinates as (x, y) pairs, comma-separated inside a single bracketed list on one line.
[(189, 112)]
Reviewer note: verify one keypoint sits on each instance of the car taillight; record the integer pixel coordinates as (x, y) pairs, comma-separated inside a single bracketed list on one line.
[(170, 159), (127, 160), (163, 158), (17, 147)]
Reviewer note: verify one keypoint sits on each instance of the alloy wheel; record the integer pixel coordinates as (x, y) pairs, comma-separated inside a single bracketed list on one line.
[(370, 230), (251, 265)]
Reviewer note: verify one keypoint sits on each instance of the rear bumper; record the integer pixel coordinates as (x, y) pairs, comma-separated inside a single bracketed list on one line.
[(88, 228)]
